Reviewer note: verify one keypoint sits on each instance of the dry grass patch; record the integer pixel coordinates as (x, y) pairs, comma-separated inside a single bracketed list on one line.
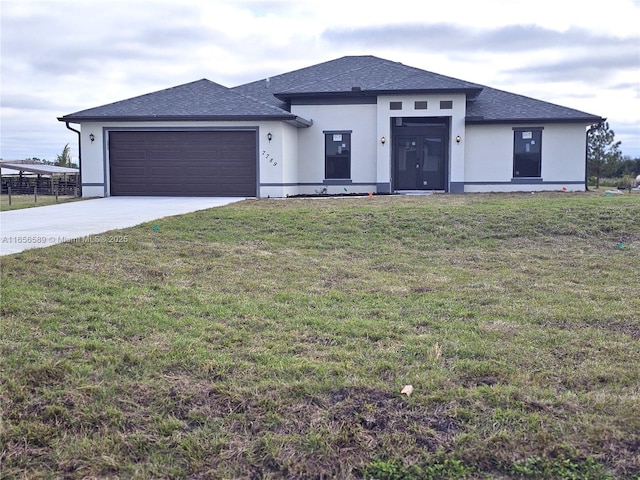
[(271, 339)]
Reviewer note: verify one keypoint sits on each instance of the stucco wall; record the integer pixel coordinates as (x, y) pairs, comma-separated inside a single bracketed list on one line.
[(293, 162), (456, 115), (489, 158), (361, 121), (371, 159), (272, 156), (278, 169)]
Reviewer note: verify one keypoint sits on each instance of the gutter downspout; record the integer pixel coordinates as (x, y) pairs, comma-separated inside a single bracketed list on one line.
[(79, 157)]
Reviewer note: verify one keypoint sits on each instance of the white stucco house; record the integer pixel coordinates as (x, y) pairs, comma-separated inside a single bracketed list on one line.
[(355, 124)]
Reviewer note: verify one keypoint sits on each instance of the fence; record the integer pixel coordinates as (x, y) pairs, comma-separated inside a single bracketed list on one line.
[(66, 185)]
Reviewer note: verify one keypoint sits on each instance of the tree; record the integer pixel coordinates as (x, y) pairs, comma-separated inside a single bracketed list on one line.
[(602, 150), (64, 159)]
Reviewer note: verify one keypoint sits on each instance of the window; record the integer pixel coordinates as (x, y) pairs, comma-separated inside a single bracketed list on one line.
[(337, 155), (395, 105), (527, 158), (420, 105), (446, 104)]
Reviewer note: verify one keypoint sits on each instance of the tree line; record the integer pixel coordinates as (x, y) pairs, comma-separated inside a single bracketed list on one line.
[(63, 159), (605, 160)]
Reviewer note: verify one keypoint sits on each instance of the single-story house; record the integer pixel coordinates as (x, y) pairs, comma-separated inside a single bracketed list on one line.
[(355, 124)]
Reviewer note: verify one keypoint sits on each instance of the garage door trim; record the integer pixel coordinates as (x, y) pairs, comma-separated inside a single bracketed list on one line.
[(106, 154)]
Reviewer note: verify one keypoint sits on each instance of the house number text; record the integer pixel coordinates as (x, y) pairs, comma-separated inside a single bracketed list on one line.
[(269, 157)]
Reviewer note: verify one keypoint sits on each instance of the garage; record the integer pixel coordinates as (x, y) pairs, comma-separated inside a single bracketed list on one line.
[(183, 163)]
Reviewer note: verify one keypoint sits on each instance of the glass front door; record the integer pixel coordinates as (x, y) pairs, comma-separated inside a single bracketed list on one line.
[(420, 162)]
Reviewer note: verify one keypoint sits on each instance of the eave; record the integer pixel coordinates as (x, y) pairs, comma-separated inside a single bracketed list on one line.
[(478, 120), (294, 120), (288, 96)]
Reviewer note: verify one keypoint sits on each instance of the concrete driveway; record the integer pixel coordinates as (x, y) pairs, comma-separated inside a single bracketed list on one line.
[(40, 227)]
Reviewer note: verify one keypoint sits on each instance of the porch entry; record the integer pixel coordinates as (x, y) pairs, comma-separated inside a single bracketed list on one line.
[(420, 153)]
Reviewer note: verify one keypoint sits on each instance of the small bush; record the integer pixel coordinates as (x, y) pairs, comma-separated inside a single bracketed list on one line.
[(626, 182)]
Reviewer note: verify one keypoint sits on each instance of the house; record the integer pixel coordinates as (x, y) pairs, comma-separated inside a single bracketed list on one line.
[(355, 124)]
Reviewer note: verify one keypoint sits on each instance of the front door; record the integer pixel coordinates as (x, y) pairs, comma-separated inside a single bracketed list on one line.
[(420, 162)]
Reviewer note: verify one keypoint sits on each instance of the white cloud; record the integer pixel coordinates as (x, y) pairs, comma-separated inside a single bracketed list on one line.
[(61, 56)]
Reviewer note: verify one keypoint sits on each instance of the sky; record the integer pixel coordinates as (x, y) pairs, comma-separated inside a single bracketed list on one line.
[(62, 56)]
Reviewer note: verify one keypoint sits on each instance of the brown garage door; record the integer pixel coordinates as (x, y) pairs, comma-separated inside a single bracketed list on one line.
[(202, 163)]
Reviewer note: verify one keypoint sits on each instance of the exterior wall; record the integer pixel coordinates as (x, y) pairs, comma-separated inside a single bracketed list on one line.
[(457, 127), (293, 161), (361, 121), (273, 157), (91, 163), (278, 173), (489, 159), (371, 166)]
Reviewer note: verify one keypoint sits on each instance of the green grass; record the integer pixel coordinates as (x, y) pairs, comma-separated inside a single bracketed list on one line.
[(28, 201), (271, 339)]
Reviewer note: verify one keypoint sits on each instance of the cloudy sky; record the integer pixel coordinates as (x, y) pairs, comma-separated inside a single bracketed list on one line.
[(62, 56)]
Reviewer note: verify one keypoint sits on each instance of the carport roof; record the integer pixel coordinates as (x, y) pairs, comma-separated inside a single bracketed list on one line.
[(39, 168), (199, 100)]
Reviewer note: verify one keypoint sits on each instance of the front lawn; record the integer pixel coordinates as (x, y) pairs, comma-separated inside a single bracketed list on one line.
[(28, 201), (272, 339)]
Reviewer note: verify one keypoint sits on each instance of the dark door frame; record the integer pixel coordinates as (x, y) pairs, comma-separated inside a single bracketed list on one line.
[(421, 127)]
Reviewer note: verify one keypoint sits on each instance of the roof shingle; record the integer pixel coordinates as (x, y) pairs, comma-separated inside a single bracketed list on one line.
[(202, 99), (493, 106), (268, 98), (370, 74)]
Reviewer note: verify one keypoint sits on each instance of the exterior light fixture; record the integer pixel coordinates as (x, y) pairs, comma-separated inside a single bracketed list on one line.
[(383, 140), (269, 136), (92, 137), (458, 138)]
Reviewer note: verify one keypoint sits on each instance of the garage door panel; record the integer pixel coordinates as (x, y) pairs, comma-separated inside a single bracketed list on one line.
[(131, 171), (235, 170), (161, 170), (200, 173), (161, 189), (234, 155), (131, 155), (204, 163), (131, 189), (164, 157)]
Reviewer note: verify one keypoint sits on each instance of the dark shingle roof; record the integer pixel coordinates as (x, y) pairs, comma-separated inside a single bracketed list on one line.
[(269, 98), (372, 75), (202, 99), (497, 106), (375, 76)]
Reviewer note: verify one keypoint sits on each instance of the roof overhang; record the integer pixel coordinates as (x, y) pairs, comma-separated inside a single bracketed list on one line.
[(479, 120), (288, 96), (290, 119), (299, 122)]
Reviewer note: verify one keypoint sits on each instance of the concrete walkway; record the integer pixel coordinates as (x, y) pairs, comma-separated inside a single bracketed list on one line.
[(40, 227)]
